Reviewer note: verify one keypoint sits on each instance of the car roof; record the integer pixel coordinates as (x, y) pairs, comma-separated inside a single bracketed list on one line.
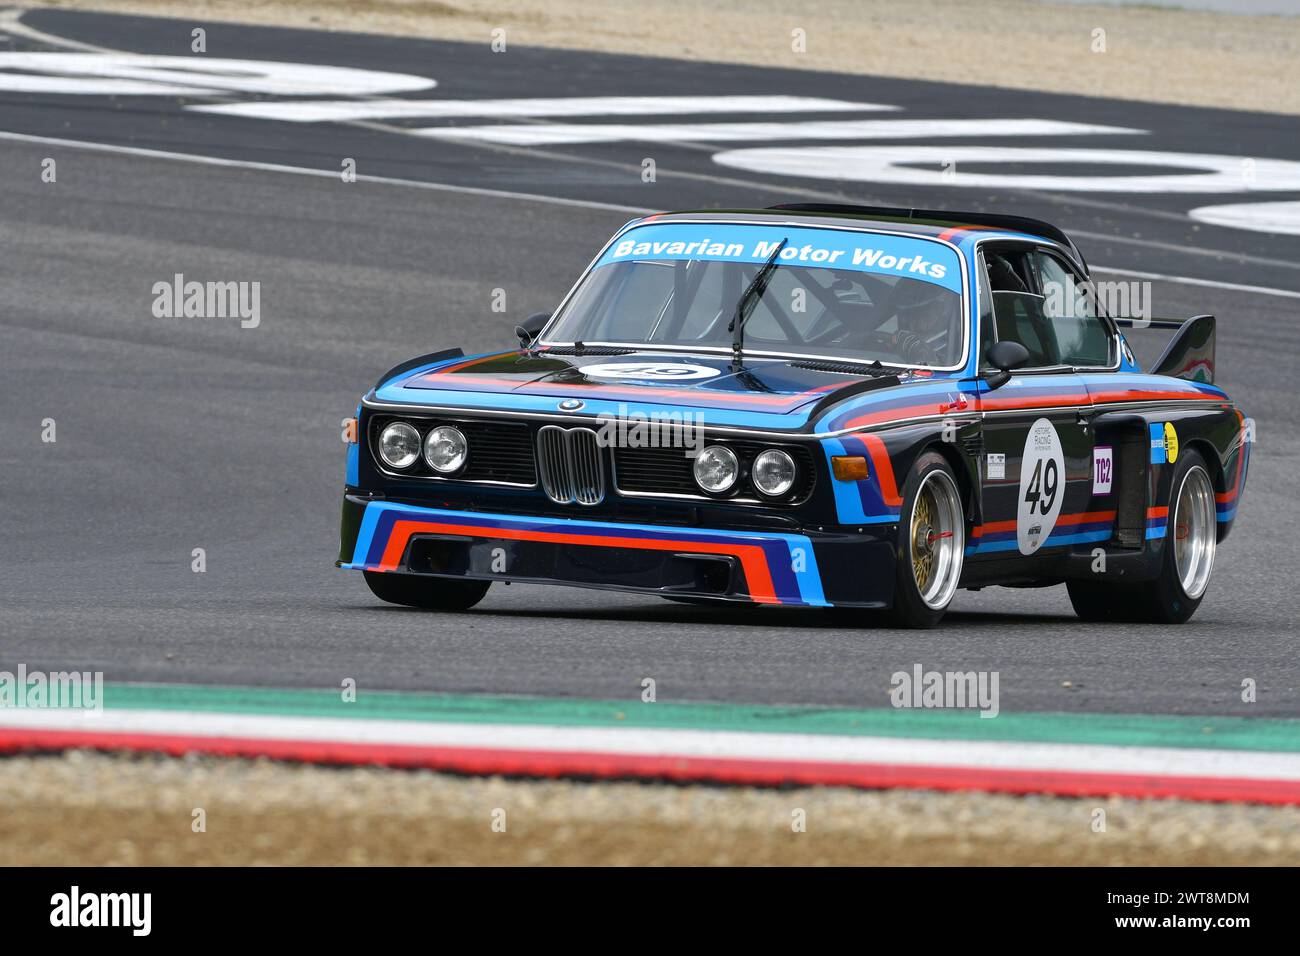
[(959, 228)]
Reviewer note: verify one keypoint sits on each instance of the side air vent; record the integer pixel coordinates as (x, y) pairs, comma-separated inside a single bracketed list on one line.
[(570, 464)]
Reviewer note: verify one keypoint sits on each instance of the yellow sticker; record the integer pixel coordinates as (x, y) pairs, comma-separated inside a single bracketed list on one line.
[(1171, 443)]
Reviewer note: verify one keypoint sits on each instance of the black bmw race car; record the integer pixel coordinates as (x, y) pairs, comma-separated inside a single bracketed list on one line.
[(807, 405)]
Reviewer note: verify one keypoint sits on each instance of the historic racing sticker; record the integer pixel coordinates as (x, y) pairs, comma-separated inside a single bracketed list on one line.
[(1042, 486)]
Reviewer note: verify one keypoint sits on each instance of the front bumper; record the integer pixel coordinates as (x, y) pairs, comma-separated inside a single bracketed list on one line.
[(766, 567)]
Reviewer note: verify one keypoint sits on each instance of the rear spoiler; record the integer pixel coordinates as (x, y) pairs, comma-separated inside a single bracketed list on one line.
[(1189, 354)]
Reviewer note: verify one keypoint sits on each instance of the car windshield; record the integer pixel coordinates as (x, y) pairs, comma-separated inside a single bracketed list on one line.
[(835, 293)]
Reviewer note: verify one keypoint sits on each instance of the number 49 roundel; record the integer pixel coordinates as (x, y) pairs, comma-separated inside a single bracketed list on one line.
[(1042, 486)]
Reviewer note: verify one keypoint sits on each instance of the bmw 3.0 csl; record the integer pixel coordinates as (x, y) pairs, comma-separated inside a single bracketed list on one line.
[(808, 405)]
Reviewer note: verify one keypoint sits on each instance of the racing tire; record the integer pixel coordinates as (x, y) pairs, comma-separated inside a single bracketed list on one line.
[(930, 545), (1186, 560), (427, 593)]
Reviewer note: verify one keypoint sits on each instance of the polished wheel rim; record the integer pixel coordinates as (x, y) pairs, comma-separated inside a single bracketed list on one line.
[(938, 539), (1194, 532)]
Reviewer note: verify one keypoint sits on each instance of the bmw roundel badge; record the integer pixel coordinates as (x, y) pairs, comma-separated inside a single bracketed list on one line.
[(571, 404)]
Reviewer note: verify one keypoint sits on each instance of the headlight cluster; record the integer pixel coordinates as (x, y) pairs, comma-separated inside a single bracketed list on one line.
[(717, 469), (444, 447)]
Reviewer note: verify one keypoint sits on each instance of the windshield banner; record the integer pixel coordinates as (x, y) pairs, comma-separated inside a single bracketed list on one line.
[(911, 257)]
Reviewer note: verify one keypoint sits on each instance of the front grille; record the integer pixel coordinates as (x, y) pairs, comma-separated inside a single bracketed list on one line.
[(670, 471), (570, 464), (498, 451)]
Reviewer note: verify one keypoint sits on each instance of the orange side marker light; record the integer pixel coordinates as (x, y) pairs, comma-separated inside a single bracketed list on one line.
[(849, 467)]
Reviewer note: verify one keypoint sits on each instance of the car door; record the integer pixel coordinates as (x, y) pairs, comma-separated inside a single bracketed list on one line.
[(1036, 472), (1089, 341)]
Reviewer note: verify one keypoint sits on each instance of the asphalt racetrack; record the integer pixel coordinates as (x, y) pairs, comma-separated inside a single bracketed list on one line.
[(176, 434)]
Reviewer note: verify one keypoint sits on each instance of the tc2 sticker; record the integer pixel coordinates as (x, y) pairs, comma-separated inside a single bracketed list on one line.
[(1171, 442), (997, 467), (1042, 486), (1103, 468)]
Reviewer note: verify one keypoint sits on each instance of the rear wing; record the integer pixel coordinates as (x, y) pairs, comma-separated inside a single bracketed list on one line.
[(1189, 354)]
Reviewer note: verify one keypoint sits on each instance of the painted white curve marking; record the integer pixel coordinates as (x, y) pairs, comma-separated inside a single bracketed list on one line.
[(1211, 173), (130, 74), (338, 111), (1281, 218)]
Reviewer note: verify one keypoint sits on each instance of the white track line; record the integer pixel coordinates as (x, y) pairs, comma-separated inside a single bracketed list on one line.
[(782, 747), (335, 111), (504, 194), (317, 173), (1208, 283), (560, 134)]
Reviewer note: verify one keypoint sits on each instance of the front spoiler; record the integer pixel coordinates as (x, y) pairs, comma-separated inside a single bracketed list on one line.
[(739, 565)]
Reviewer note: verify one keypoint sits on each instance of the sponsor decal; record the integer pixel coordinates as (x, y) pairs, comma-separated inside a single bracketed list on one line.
[(1158, 451), (997, 467), (906, 256), (1042, 486), (1171, 443), (656, 371), (1103, 467)]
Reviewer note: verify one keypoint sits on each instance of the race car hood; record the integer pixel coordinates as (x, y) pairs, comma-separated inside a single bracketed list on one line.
[(767, 392)]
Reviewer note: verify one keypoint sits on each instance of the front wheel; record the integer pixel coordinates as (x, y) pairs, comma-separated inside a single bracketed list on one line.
[(1186, 561), (429, 593), (931, 544)]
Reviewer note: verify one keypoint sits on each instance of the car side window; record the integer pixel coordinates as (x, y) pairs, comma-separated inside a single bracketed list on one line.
[(1018, 306), (1081, 336)]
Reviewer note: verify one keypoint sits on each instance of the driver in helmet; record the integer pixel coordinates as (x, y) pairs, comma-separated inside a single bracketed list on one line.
[(924, 312)]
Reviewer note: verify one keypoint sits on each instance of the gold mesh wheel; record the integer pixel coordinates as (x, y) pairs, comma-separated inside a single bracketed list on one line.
[(937, 539)]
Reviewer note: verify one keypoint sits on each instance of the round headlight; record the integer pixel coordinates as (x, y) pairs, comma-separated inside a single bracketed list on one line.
[(774, 472), (445, 449), (399, 445), (716, 469)]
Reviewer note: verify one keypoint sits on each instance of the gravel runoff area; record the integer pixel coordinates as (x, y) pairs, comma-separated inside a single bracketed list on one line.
[(1235, 61), (84, 808)]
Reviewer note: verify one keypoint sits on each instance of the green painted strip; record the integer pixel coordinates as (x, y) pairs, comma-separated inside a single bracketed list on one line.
[(1227, 733)]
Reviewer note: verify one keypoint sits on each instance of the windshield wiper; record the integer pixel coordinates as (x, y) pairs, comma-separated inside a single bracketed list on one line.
[(749, 300)]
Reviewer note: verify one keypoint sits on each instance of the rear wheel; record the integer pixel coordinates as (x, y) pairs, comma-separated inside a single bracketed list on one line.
[(429, 593), (931, 544), (1186, 562)]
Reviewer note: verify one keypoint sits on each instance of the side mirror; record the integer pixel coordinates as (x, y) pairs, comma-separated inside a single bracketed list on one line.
[(1004, 356), (531, 327)]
